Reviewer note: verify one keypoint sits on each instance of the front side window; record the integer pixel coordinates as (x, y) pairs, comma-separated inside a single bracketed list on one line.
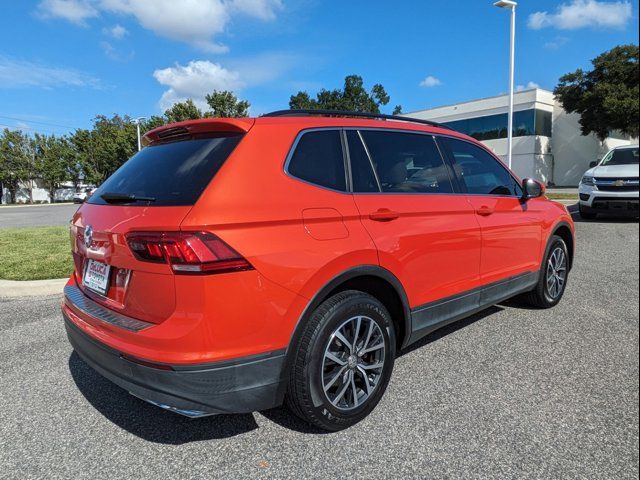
[(318, 159), (407, 162), (478, 171)]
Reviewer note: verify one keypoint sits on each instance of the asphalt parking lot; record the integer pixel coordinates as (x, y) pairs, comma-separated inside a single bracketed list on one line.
[(509, 393), (37, 215)]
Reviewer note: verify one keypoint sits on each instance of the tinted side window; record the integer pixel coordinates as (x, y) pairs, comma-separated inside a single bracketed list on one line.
[(364, 179), (407, 162), (318, 159), (478, 171)]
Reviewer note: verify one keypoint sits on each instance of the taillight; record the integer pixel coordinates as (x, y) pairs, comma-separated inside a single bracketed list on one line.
[(187, 252)]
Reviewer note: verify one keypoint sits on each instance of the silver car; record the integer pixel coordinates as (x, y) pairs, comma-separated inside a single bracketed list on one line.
[(611, 186)]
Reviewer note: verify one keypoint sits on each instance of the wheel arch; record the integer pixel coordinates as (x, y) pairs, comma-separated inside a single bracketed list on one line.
[(371, 279), (564, 231)]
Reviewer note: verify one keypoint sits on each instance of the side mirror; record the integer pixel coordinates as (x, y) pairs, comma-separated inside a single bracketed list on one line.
[(593, 164), (532, 189)]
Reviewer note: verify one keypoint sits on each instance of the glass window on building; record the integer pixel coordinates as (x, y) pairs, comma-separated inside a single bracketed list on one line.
[(491, 127)]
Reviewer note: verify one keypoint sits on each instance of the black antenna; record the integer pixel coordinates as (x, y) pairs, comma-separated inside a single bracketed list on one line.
[(346, 113)]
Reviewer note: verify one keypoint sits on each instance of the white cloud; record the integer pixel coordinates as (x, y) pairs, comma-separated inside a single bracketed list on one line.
[(430, 81), (556, 43), (22, 73), (200, 77), (196, 22), (528, 86), (117, 31), (113, 53), (191, 21), (74, 11), (195, 80), (584, 13), (262, 9)]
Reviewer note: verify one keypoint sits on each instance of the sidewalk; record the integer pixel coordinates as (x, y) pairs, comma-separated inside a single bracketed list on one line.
[(31, 288)]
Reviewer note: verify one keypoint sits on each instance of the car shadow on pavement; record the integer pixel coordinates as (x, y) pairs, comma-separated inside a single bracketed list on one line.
[(449, 329), (288, 420), (148, 421)]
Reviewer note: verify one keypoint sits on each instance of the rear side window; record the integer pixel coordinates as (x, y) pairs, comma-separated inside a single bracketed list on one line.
[(479, 172), (407, 162), (318, 159), (364, 179), (172, 174)]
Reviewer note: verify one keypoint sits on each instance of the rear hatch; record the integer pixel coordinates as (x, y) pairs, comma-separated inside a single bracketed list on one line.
[(148, 197)]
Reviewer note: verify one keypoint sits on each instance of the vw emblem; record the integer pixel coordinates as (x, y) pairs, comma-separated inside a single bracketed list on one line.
[(620, 183), (88, 236)]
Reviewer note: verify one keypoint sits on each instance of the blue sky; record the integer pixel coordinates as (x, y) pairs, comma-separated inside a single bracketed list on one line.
[(64, 61)]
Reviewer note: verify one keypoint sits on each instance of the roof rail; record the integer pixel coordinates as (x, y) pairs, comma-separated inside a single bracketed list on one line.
[(347, 113)]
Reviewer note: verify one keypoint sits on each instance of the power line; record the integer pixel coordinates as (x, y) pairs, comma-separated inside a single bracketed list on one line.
[(17, 119), (26, 127)]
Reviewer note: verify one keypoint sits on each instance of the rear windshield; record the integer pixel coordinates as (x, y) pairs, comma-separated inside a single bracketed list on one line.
[(168, 174)]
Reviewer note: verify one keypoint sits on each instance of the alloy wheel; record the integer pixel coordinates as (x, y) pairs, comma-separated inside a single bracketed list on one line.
[(556, 272), (353, 362)]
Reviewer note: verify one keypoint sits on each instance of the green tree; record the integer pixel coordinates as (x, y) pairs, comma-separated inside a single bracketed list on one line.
[(102, 150), (16, 161), (226, 104), (606, 97), (182, 111), (152, 122), (352, 97), (54, 161)]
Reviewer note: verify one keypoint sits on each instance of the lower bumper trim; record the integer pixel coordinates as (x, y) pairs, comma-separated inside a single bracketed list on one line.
[(229, 387)]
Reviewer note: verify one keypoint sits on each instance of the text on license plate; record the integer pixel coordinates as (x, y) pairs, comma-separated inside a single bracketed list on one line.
[(96, 276)]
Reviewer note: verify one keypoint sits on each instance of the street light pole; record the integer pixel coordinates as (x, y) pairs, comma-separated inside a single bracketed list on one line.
[(512, 60), (137, 120)]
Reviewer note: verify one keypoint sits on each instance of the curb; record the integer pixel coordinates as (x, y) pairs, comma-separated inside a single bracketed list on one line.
[(31, 288), (29, 205)]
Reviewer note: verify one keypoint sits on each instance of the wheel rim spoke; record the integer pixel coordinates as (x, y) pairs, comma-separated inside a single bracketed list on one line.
[(335, 378), (346, 342), (331, 356), (556, 272), (341, 392), (373, 366), (353, 362)]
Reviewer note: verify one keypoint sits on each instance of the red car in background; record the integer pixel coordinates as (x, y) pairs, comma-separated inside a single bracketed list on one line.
[(236, 264)]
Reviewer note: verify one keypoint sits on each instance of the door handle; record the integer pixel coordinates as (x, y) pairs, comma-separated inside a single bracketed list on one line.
[(484, 210), (383, 215)]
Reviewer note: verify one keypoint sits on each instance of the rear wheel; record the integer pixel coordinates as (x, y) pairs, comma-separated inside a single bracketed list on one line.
[(343, 362), (587, 215), (553, 276)]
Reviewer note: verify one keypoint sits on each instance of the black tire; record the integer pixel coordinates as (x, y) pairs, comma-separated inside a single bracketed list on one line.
[(587, 215), (542, 296), (306, 396)]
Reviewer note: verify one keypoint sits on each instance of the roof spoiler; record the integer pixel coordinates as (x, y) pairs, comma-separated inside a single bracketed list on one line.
[(189, 128)]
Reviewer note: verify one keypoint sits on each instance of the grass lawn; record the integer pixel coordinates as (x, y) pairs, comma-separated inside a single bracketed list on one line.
[(35, 253), (562, 196)]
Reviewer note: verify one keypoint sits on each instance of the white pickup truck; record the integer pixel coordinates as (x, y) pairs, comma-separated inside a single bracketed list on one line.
[(611, 186)]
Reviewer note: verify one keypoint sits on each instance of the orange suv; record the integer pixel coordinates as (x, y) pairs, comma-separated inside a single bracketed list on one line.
[(236, 264)]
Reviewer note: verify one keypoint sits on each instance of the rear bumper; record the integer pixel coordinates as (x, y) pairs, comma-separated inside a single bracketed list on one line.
[(238, 386)]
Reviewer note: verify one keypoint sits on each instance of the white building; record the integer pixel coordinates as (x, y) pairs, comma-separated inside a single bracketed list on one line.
[(547, 145)]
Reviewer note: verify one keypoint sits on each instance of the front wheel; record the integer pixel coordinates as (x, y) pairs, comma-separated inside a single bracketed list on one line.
[(343, 362), (553, 276)]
